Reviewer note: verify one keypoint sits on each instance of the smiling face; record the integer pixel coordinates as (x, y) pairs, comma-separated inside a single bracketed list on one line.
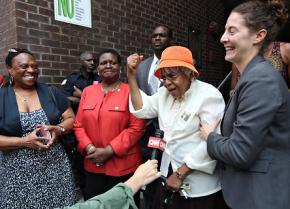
[(24, 70), (176, 81), (238, 40), (109, 68)]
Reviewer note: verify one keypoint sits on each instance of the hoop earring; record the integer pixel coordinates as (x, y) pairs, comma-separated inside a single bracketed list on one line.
[(11, 80)]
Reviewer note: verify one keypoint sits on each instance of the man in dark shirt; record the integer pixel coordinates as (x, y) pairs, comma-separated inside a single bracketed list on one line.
[(74, 83), (72, 86)]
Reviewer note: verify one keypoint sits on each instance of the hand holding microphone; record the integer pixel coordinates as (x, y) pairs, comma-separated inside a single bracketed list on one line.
[(175, 181)]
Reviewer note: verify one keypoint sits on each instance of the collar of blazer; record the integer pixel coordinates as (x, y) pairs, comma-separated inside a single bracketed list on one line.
[(257, 59), (251, 65)]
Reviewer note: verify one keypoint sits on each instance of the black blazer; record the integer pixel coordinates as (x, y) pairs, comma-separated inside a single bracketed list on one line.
[(254, 146), (143, 73), (9, 113)]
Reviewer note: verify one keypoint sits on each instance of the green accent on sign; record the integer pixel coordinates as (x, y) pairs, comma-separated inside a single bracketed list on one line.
[(66, 8)]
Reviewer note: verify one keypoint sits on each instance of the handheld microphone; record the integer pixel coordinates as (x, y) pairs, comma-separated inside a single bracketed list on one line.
[(157, 143)]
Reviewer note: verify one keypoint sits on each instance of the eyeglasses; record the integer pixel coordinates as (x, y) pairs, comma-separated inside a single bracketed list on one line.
[(170, 75)]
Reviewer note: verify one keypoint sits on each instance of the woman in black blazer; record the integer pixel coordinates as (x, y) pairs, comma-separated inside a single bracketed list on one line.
[(254, 144), (34, 168)]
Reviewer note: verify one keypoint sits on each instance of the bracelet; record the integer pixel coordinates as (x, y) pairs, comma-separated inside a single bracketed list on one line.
[(61, 129), (91, 146)]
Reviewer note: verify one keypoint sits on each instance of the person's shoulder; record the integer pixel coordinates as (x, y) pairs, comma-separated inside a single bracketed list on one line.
[(263, 69), (93, 86), (285, 51), (72, 77), (257, 67), (204, 86), (285, 46), (147, 61), (124, 87), (206, 90), (42, 85), (75, 73), (262, 73)]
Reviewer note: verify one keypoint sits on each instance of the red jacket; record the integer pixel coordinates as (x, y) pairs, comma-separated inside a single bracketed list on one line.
[(104, 119)]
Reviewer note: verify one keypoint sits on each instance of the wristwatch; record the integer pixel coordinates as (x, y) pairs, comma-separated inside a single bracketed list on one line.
[(61, 129)]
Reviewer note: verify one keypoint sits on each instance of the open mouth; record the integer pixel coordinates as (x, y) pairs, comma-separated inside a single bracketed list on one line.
[(229, 48), (30, 78), (229, 51)]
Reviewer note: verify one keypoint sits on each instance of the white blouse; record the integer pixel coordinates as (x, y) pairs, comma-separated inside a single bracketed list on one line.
[(180, 119)]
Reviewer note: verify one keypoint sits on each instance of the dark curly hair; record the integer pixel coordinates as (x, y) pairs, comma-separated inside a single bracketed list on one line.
[(13, 52)]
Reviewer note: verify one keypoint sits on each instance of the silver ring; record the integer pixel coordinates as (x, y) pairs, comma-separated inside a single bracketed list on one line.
[(99, 164)]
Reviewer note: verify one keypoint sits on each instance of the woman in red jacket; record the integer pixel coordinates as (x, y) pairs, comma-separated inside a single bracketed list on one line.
[(107, 132)]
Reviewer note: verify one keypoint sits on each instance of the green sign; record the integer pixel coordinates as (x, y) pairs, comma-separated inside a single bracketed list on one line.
[(66, 8), (73, 11)]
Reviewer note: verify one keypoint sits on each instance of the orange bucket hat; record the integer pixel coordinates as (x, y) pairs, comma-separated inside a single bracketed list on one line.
[(176, 56)]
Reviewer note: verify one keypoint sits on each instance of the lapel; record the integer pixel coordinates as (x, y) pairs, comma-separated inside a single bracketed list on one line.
[(144, 75), (233, 98), (222, 122), (148, 65), (12, 115), (257, 59)]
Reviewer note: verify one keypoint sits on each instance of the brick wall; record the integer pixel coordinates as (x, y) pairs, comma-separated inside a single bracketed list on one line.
[(214, 50), (7, 30), (125, 25)]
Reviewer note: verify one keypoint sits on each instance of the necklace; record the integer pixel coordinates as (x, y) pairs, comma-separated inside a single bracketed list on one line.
[(24, 99), (110, 88)]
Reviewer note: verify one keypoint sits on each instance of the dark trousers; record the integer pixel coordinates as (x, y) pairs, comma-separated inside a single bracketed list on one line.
[(213, 201), (69, 143), (96, 184), (77, 162), (149, 194), (172, 200)]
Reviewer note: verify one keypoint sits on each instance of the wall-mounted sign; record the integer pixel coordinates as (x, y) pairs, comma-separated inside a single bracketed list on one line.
[(76, 12)]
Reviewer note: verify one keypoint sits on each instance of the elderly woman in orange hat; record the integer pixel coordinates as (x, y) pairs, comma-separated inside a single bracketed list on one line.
[(180, 105)]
